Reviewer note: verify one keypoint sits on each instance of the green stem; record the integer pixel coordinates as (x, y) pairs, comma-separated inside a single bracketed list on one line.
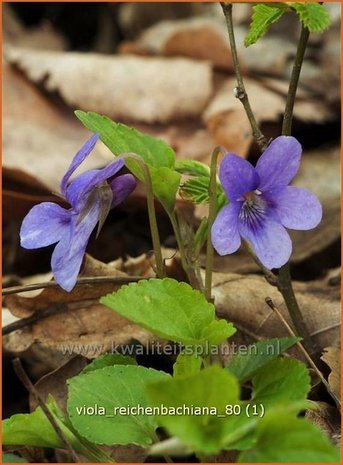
[(156, 243), (293, 85), (189, 270), (213, 207), (285, 279), (240, 91)]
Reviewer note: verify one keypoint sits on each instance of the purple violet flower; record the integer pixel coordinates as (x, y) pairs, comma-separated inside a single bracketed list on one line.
[(91, 197), (262, 204)]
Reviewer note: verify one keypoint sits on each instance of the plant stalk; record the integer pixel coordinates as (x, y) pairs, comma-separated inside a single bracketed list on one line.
[(213, 207), (240, 91), (156, 243), (285, 279), (293, 85)]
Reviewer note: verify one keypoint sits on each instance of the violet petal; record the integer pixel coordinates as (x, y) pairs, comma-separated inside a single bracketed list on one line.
[(298, 208), (89, 180), (122, 186), (225, 235), (83, 153), (237, 176), (279, 163), (67, 257), (270, 241), (44, 225)]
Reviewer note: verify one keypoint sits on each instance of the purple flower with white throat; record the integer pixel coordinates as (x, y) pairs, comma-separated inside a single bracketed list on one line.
[(91, 196), (262, 204)]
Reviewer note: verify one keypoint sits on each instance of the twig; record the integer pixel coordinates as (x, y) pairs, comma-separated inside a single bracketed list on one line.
[(20, 372), (293, 84), (240, 91), (213, 207), (79, 282), (20, 324), (271, 304)]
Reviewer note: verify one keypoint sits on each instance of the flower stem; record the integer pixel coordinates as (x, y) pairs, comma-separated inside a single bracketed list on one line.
[(213, 207), (240, 92), (155, 236), (285, 280), (285, 286), (293, 85)]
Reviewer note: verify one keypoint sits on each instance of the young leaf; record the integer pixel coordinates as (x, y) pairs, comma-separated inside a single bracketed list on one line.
[(187, 364), (283, 379), (109, 360), (95, 398), (212, 388), (244, 366), (196, 189), (156, 153), (283, 438), (264, 15), (313, 15), (192, 167), (170, 309)]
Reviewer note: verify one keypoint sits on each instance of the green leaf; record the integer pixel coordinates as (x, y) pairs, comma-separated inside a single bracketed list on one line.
[(283, 379), (12, 458), (165, 184), (283, 438), (313, 15), (120, 138), (245, 365), (104, 390), (192, 167), (109, 360), (264, 15), (156, 153), (206, 394), (187, 364), (170, 309), (29, 429)]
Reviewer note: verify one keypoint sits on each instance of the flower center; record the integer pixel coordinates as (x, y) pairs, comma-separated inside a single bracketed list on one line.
[(253, 208)]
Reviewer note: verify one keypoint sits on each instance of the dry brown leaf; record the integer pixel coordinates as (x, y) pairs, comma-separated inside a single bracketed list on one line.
[(25, 307), (206, 37), (41, 37), (268, 105), (241, 299), (54, 383), (121, 87), (332, 357), (200, 38), (327, 418), (39, 141), (81, 327), (231, 129)]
